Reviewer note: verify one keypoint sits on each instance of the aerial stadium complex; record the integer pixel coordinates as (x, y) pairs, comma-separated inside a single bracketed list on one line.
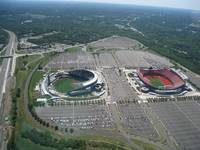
[(63, 84), (162, 81)]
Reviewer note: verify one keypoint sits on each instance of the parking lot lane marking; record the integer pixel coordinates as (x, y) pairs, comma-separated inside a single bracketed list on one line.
[(187, 116)]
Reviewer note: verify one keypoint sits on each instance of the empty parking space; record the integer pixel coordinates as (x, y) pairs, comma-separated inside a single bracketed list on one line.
[(130, 58), (119, 43), (107, 59), (192, 111), (81, 60), (195, 79), (176, 118)]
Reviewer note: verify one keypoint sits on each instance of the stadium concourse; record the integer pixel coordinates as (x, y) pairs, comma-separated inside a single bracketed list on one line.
[(159, 82), (86, 82)]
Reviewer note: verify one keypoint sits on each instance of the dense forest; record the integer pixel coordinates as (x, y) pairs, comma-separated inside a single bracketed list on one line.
[(3, 38), (174, 33)]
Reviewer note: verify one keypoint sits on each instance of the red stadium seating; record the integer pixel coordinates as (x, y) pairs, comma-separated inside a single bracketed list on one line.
[(177, 82)]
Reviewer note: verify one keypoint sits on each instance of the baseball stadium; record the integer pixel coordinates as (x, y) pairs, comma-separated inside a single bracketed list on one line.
[(72, 83), (161, 81)]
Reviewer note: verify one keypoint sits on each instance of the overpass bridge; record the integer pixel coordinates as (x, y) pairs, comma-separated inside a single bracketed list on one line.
[(6, 56)]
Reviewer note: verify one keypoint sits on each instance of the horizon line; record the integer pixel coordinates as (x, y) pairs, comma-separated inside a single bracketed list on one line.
[(98, 2)]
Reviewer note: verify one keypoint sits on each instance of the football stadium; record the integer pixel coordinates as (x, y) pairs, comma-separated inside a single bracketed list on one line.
[(72, 83), (161, 81)]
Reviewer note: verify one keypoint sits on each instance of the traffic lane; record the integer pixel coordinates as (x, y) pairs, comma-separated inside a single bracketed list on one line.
[(5, 65)]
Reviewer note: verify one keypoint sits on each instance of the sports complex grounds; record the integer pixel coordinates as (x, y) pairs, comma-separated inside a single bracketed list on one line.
[(122, 105)]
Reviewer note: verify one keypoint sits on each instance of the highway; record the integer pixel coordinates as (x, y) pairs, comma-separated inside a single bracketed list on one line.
[(6, 65), (4, 74)]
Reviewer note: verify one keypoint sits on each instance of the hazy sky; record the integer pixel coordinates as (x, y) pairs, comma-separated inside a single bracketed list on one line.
[(186, 4)]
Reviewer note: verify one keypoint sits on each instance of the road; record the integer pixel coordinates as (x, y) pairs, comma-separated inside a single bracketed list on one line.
[(4, 74), (6, 65)]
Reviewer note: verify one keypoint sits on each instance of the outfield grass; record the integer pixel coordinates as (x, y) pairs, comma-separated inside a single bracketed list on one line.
[(156, 82), (64, 85)]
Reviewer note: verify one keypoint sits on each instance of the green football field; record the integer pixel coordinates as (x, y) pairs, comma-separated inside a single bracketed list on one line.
[(64, 85), (156, 82)]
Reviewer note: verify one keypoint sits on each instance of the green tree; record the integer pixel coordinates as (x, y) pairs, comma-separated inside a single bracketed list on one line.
[(71, 130), (56, 127)]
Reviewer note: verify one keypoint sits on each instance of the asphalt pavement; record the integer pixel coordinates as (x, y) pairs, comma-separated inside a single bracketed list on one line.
[(4, 74)]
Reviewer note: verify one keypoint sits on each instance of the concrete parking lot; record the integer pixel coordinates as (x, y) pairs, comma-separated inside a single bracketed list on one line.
[(119, 43), (106, 59), (119, 88), (130, 58), (80, 60), (182, 122)]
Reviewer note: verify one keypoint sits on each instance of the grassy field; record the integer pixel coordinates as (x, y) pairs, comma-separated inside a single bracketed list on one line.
[(145, 146), (22, 120), (22, 61), (37, 76), (23, 144), (64, 85), (74, 49), (156, 82), (35, 79)]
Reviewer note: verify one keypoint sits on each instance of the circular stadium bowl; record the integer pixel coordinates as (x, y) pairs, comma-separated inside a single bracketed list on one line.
[(161, 79), (86, 82)]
